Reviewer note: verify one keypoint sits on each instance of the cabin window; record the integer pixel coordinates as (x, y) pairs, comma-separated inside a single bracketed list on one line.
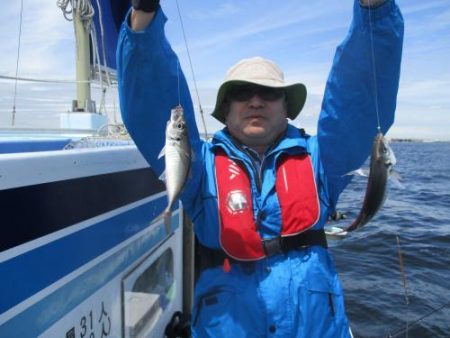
[(148, 290)]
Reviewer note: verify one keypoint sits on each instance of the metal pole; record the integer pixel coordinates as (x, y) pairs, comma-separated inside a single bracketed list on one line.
[(82, 103)]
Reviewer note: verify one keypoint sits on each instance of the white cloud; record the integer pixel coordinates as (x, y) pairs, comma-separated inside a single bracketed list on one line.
[(409, 7), (224, 10), (252, 22), (430, 92), (46, 40)]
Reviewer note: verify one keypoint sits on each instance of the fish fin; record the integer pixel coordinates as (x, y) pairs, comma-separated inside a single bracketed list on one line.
[(358, 172), (162, 152), (162, 177), (396, 179), (335, 233), (188, 154), (168, 220), (166, 217), (395, 175)]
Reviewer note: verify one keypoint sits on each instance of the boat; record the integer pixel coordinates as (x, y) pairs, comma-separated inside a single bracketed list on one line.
[(82, 253)]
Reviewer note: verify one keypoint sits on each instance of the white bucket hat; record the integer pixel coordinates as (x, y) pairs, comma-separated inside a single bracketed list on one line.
[(261, 72)]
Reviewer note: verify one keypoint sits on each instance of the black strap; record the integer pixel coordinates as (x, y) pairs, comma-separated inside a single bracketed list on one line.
[(210, 258), (278, 245)]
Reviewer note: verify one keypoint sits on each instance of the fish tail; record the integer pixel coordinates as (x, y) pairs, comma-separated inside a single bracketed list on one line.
[(167, 215)]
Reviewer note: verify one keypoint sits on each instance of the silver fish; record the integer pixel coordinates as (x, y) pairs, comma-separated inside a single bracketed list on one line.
[(382, 161), (177, 153)]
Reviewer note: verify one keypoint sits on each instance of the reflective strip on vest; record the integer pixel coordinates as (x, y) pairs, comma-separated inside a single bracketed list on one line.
[(297, 195)]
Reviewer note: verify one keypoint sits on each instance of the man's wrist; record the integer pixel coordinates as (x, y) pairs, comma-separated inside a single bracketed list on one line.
[(148, 6)]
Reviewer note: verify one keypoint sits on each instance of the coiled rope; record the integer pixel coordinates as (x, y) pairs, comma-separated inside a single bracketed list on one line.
[(82, 7)]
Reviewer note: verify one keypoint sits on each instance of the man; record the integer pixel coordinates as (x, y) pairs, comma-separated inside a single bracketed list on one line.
[(263, 189)]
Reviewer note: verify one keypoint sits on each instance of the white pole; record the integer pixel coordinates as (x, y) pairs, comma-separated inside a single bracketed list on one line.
[(83, 101)]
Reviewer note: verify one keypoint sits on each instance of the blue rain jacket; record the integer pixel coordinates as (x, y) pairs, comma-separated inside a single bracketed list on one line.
[(297, 294)]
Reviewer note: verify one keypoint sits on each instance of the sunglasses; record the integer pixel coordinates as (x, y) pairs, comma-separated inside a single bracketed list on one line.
[(243, 93)]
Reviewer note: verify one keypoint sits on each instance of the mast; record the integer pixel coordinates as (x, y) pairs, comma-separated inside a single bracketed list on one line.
[(83, 116), (83, 103)]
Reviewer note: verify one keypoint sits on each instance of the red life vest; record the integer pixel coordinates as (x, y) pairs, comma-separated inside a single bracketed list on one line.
[(297, 195)]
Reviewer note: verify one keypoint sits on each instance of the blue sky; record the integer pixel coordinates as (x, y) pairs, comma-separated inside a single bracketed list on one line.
[(300, 36)]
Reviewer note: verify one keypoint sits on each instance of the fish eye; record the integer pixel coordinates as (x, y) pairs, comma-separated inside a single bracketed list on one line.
[(180, 126)]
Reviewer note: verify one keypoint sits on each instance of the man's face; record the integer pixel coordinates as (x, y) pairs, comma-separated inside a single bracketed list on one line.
[(257, 115)]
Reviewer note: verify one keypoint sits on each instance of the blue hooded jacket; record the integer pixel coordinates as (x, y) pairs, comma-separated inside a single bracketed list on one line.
[(296, 294)]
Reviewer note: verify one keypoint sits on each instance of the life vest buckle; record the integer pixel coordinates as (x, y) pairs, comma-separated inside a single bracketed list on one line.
[(273, 246)]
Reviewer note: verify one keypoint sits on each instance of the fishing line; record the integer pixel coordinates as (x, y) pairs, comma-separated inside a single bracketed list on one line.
[(402, 271), (13, 121), (374, 73), (404, 279), (192, 71), (417, 321), (178, 82)]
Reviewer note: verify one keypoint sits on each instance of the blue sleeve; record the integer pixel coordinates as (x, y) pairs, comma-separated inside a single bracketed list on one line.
[(151, 83), (348, 120)]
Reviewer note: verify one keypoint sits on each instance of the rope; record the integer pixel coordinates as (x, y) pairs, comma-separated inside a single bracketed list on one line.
[(29, 79), (102, 35), (56, 81), (63, 4), (96, 60), (192, 71), (13, 118), (82, 7)]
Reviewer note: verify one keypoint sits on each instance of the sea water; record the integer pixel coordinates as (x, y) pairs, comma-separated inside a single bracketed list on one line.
[(418, 212)]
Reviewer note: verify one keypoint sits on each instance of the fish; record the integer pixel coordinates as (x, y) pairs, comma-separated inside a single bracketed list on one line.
[(177, 159), (382, 162)]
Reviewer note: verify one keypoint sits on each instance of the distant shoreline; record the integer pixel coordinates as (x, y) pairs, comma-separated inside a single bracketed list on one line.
[(405, 140), (415, 140)]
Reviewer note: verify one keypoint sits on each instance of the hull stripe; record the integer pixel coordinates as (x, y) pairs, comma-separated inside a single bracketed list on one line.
[(34, 211)]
